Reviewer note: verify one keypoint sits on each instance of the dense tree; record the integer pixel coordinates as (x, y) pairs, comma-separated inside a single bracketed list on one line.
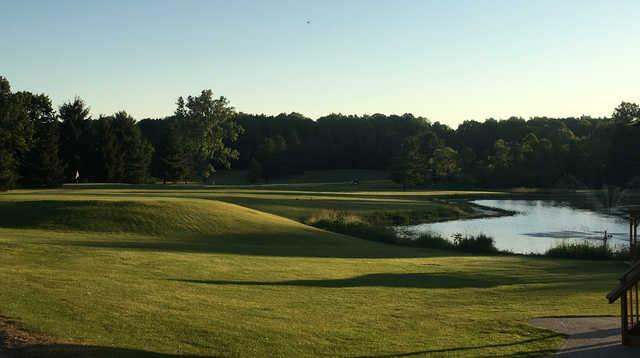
[(623, 162), (445, 164), (335, 141), (137, 150), (15, 134), (208, 126), (205, 133), (75, 140), (626, 113), (254, 172), (42, 165), (407, 167), (121, 153), (417, 164), (175, 158)]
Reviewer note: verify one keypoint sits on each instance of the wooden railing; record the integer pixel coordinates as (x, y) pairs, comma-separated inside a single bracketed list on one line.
[(627, 290)]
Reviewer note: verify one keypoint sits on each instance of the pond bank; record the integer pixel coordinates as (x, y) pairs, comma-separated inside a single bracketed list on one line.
[(538, 226)]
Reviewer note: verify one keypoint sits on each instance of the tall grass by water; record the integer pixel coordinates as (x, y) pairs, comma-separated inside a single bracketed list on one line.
[(586, 250), (356, 225)]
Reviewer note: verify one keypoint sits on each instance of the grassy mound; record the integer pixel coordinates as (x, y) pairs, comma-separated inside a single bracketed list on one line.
[(194, 225), (152, 217)]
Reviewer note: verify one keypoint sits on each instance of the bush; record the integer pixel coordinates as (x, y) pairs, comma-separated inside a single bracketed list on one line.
[(474, 244), (429, 240), (585, 250), (480, 243), (351, 224)]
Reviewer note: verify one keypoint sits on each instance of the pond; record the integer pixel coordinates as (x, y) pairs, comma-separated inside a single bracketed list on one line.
[(537, 226)]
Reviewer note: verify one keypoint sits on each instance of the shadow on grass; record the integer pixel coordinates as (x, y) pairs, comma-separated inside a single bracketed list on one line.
[(273, 244), (597, 350), (16, 342), (453, 350), (76, 351), (397, 280), (51, 214)]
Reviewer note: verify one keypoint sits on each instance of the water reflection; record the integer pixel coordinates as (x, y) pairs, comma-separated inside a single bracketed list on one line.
[(539, 225)]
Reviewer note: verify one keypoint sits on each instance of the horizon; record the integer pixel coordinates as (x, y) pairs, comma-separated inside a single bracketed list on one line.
[(445, 62)]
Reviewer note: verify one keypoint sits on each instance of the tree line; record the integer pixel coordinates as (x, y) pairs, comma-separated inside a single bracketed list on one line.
[(538, 152), (43, 146)]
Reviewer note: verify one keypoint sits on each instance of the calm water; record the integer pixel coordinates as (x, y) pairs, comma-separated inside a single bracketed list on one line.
[(539, 225)]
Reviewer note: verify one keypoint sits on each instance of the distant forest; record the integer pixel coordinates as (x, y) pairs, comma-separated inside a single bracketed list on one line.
[(43, 146)]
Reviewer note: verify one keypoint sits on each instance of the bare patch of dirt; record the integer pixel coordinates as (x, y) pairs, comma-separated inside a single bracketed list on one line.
[(13, 337)]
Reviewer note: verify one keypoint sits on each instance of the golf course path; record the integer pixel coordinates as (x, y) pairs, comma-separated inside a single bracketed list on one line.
[(589, 337)]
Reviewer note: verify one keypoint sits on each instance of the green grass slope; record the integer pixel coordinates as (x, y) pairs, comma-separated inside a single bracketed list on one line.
[(179, 224), (152, 273)]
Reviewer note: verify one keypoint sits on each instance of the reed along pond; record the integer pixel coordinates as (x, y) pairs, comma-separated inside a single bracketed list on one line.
[(537, 225)]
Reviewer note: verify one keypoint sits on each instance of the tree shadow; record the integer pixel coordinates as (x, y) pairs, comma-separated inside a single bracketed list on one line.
[(454, 350), (78, 351), (47, 214), (395, 280), (16, 342), (273, 244), (593, 350)]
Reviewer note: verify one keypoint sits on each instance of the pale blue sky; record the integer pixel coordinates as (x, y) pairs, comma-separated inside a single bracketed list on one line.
[(446, 60)]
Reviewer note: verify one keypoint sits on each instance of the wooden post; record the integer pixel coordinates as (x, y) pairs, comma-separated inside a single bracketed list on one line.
[(636, 221), (637, 318), (624, 327), (630, 314)]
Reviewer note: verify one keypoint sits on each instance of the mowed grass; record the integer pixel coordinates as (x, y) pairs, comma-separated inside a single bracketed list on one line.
[(293, 201), (188, 272)]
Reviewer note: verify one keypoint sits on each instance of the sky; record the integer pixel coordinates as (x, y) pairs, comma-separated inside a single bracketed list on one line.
[(448, 61)]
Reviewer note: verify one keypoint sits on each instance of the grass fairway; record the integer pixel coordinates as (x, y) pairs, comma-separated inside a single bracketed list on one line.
[(117, 271)]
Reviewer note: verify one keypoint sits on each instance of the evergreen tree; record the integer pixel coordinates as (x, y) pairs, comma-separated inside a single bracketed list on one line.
[(15, 134), (136, 150), (108, 150), (44, 166), (41, 164), (138, 161), (175, 159), (75, 138), (123, 153)]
